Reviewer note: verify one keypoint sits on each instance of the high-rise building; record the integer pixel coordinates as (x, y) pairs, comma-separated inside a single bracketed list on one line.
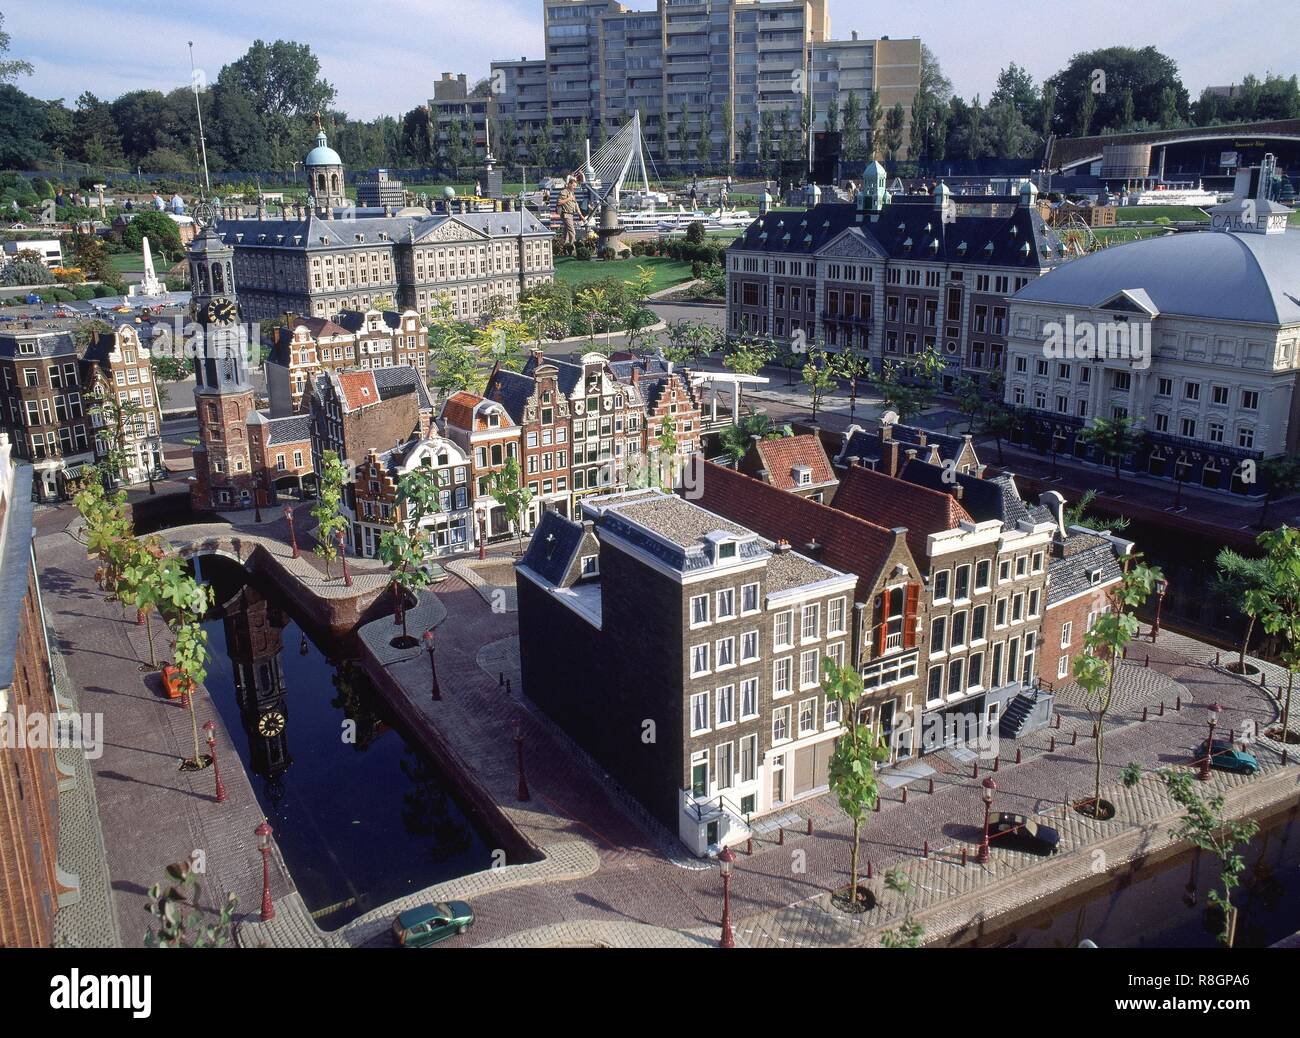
[(721, 71)]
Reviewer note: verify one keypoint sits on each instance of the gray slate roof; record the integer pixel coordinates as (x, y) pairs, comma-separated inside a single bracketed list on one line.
[(512, 391), (292, 428), (48, 344), (554, 543), (401, 378), (1219, 275), (912, 230), (1071, 573), (341, 233)]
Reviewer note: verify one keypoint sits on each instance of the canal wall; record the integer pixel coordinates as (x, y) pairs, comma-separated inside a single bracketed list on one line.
[(990, 909), (376, 656)]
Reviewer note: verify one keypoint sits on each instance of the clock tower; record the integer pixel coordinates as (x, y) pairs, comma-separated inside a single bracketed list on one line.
[(223, 396), (254, 640)]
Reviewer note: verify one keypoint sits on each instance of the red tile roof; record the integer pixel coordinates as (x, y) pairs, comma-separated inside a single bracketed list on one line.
[(359, 389), (780, 456), (894, 502), (319, 327), (847, 542), (458, 410)]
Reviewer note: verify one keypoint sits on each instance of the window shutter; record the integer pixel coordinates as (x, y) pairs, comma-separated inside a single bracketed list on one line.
[(909, 616)]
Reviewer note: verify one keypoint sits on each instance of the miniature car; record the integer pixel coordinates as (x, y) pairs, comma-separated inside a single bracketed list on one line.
[(1228, 758), (1023, 834), (429, 924)]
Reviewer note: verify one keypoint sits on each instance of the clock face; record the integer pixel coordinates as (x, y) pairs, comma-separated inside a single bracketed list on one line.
[(270, 724), (221, 311)]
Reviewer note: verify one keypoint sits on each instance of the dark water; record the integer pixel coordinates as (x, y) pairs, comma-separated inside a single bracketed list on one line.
[(359, 813), (1165, 905)]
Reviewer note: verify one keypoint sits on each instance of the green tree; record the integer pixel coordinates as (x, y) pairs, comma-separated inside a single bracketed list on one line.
[(184, 602), (1105, 642), (113, 420), (1083, 101), (141, 584), (328, 508), (853, 762), (735, 440), (895, 124), (1281, 476), (181, 922), (1276, 601), (818, 377), (1235, 576), (507, 489), (405, 547), (10, 68), (162, 232), (1113, 438), (1078, 514), (748, 356), (1206, 826)]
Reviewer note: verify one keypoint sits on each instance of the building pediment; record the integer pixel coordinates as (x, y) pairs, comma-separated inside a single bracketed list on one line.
[(451, 229), (1131, 301), (851, 244)]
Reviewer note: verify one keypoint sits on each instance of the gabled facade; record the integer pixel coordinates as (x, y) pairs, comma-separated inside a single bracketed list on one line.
[(797, 464), (490, 437), (892, 277), (695, 626), (377, 507), (985, 585), (887, 448), (118, 361), (889, 604)]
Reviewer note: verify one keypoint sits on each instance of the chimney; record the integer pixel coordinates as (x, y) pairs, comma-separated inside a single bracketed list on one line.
[(886, 431), (957, 491), (1054, 501), (911, 453), (782, 547), (891, 457), (980, 470), (813, 548), (921, 437)]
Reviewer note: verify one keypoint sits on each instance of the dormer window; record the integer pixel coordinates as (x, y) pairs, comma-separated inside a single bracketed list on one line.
[(726, 550), (802, 475), (1094, 576)]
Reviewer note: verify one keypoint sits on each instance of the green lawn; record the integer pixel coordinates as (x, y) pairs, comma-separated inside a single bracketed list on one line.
[(1149, 213), (668, 272), (1112, 235), (127, 262)]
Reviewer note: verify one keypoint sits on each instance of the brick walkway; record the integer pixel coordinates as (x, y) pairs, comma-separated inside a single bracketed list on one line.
[(605, 873)]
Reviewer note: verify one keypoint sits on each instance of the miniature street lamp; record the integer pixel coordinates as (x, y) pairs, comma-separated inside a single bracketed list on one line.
[(990, 787), (519, 762), (293, 539), (257, 504), (1162, 587), (343, 554), (263, 834), (1215, 710), (727, 864), (482, 534), (433, 670), (211, 728)]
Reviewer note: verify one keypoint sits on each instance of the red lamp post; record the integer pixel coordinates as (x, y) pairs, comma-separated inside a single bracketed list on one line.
[(263, 834), (433, 670), (1162, 587), (1215, 710), (257, 504), (211, 728), (343, 554), (482, 534), (989, 788), (519, 762), (726, 864), (293, 538)]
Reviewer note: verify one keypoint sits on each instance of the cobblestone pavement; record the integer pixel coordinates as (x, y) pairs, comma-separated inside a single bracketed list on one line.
[(606, 873), (151, 813)]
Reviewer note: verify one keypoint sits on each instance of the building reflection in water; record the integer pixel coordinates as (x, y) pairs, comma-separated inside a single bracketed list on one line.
[(254, 640)]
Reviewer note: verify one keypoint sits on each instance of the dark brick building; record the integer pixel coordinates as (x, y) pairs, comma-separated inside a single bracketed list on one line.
[(705, 643)]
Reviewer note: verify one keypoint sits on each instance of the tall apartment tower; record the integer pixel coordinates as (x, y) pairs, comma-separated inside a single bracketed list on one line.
[(223, 395), (682, 63)]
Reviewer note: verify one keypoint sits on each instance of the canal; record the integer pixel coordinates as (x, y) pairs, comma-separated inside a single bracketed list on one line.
[(360, 814), (1165, 905)]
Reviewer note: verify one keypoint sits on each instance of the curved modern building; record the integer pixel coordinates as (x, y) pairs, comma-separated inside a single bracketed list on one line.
[(1193, 335)]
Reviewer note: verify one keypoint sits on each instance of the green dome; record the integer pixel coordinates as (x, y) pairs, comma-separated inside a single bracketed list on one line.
[(322, 154)]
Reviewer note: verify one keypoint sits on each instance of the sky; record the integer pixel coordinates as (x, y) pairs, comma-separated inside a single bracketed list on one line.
[(387, 64)]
